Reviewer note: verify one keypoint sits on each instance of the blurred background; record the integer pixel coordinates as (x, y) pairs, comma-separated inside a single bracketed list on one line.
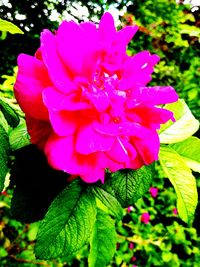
[(151, 233)]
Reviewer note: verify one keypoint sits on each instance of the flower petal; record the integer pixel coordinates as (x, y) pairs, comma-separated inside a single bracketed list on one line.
[(148, 148), (68, 39), (39, 131), (107, 29), (125, 35), (90, 141), (32, 78), (64, 122), (119, 152), (61, 155), (57, 101), (57, 71), (138, 70), (155, 95), (150, 116)]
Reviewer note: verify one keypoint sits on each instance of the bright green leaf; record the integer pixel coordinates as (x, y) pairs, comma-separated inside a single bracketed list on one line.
[(182, 179), (19, 137), (67, 226), (4, 154), (184, 126), (103, 241), (3, 122), (112, 204), (9, 113), (9, 27), (127, 185), (189, 150), (189, 29)]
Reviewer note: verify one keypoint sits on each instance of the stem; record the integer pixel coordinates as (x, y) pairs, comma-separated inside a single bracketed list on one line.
[(29, 261), (140, 241)]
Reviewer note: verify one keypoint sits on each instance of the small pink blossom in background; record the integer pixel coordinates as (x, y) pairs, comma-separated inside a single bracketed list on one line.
[(131, 245), (87, 103), (145, 218), (134, 265), (133, 258), (153, 191), (175, 211), (129, 209)]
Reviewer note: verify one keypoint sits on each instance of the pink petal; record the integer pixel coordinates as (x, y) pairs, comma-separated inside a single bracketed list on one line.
[(138, 70), (68, 39), (39, 131), (148, 148), (57, 101), (150, 116), (32, 78), (107, 29), (90, 29), (79, 61), (60, 153), (156, 95), (90, 141), (62, 156), (126, 34), (33, 68), (118, 152), (57, 71), (100, 100), (126, 128), (64, 122), (104, 161)]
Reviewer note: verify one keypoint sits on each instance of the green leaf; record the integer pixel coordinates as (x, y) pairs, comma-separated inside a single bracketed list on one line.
[(9, 113), (103, 241), (183, 181), (3, 122), (9, 27), (189, 150), (127, 186), (112, 204), (184, 126), (19, 137), (67, 226), (4, 154)]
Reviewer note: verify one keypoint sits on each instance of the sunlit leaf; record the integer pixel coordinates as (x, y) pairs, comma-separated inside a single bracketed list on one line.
[(183, 181), (189, 150), (184, 126), (19, 137), (9, 113), (9, 27)]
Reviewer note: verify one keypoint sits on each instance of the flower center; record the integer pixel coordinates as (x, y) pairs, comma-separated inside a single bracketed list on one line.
[(103, 80)]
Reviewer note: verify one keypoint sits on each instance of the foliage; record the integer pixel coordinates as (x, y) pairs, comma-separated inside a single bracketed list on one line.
[(9, 27), (82, 220)]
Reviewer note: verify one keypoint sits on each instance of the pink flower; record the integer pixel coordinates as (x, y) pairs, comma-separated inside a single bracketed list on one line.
[(133, 258), (131, 245), (145, 218), (87, 103), (129, 209), (153, 191), (175, 211)]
